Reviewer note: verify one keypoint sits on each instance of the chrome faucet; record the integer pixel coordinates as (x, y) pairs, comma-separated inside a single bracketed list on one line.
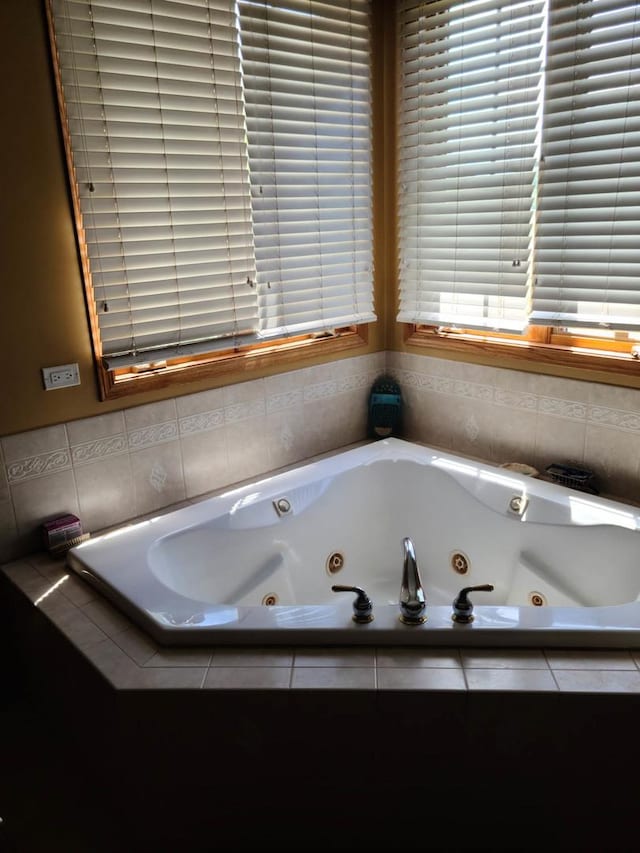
[(412, 598)]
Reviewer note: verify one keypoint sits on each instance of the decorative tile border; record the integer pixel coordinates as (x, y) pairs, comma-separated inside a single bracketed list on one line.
[(569, 409), (617, 418), (515, 400), (522, 401), (320, 390), (202, 422), (473, 390), (154, 434), (355, 382), (243, 411), (446, 385), (37, 466), (284, 400), (92, 451)]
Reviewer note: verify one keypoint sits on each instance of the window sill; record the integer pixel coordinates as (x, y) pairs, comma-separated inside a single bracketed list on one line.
[(615, 368), (229, 364)]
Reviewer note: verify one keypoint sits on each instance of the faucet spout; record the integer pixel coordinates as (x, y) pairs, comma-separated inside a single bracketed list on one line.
[(413, 601)]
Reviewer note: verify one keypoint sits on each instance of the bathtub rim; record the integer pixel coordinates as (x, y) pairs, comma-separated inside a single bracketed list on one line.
[(254, 626), (572, 626)]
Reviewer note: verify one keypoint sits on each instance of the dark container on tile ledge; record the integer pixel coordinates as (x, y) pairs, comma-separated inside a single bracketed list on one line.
[(61, 533), (573, 476), (385, 408)]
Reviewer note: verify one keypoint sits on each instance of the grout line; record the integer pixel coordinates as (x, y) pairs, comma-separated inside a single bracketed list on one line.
[(464, 673), (555, 681)]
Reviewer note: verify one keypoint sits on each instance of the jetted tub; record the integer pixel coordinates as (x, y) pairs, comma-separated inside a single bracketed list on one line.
[(256, 564)]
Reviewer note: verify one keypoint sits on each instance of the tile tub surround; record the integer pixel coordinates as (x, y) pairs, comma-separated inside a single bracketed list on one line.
[(499, 415), (130, 660), (111, 468)]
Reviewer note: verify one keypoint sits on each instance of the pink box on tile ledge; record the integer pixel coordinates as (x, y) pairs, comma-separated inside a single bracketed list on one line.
[(63, 532)]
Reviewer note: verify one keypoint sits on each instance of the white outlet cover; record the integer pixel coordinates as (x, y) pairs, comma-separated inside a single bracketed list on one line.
[(60, 376)]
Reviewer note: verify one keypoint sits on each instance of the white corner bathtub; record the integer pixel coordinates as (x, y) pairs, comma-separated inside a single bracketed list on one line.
[(256, 564)]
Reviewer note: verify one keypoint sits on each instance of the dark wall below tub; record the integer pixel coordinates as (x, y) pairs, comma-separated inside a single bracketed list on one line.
[(89, 769)]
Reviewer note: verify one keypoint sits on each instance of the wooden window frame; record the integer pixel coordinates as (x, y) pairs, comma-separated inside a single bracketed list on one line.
[(234, 364), (542, 349)]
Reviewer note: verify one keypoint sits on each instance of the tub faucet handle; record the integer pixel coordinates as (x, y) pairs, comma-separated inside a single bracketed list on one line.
[(362, 605), (462, 605)]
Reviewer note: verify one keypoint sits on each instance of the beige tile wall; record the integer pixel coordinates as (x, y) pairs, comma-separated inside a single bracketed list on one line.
[(113, 467), (510, 416)]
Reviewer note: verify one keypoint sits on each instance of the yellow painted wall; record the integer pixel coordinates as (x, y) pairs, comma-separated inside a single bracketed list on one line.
[(42, 312)]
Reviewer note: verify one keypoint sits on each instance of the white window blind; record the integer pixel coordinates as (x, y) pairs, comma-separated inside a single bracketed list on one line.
[(172, 211), (520, 147), (469, 113), (589, 230), (307, 90), (154, 101)]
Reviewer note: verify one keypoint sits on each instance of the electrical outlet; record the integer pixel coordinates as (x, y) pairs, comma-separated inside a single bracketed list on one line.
[(61, 376)]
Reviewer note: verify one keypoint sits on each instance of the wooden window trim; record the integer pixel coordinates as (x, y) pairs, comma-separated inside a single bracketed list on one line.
[(544, 351), (231, 364)]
